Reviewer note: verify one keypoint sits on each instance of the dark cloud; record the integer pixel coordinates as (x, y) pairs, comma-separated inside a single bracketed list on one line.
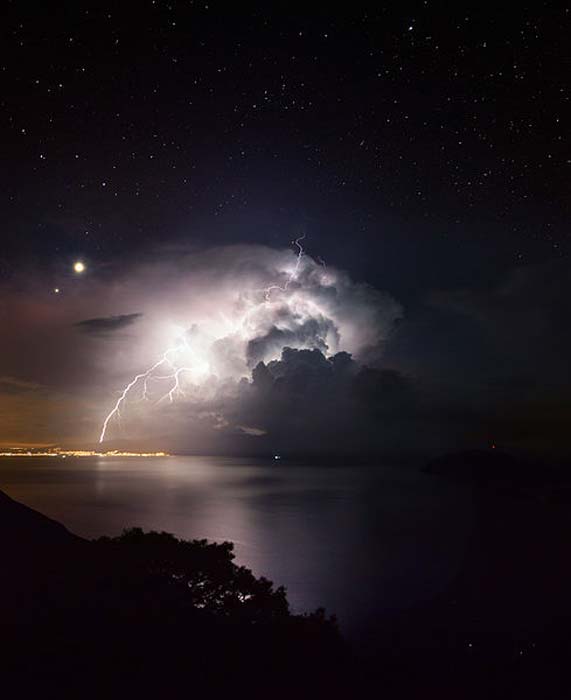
[(308, 403), (107, 324), (312, 333)]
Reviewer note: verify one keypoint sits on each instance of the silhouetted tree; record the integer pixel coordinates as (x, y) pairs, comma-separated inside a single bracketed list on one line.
[(148, 615), (202, 573)]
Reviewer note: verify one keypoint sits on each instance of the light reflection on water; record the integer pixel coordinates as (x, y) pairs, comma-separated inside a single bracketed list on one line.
[(354, 539)]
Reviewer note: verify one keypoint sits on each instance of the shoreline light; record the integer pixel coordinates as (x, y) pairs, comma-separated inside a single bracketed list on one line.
[(56, 452)]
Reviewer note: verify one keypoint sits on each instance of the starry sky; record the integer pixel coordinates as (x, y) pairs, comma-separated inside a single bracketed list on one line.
[(419, 146)]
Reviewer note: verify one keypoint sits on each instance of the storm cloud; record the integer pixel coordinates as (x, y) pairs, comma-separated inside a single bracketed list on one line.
[(251, 359), (257, 309)]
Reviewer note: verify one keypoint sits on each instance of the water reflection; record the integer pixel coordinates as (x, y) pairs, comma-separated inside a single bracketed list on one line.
[(355, 539)]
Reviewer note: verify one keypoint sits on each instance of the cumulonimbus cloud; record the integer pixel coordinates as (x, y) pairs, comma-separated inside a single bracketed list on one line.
[(230, 311)]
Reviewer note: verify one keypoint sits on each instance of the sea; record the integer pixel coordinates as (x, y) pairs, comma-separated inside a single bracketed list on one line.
[(359, 541)]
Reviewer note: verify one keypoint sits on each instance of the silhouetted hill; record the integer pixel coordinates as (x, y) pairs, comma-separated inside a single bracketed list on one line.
[(148, 615), (21, 526), (34, 551)]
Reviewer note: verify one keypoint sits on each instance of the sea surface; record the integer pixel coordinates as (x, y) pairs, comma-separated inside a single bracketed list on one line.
[(359, 541)]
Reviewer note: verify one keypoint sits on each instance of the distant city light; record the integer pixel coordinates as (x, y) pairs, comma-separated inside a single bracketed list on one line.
[(57, 452)]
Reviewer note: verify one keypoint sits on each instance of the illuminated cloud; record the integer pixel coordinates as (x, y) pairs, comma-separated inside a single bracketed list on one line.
[(250, 311)]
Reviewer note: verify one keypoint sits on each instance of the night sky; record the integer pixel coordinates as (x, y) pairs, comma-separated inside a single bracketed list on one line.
[(420, 147)]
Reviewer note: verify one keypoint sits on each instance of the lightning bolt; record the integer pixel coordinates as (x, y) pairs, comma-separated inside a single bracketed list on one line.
[(292, 275), (176, 389), (144, 376)]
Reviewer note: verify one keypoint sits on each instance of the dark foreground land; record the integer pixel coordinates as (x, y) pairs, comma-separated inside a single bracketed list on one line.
[(147, 615)]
